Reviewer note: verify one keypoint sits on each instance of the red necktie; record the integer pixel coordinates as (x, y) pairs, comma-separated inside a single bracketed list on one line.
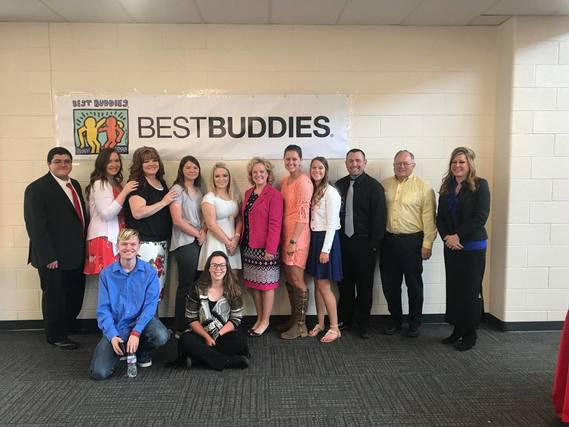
[(76, 204)]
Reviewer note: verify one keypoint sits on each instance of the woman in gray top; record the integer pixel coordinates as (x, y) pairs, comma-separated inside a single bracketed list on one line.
[(188, 231)]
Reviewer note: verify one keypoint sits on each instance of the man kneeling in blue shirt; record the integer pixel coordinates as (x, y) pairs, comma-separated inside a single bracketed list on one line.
[(128, 299)]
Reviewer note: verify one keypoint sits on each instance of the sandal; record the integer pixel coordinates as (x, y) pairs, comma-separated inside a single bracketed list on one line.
[(316, 330), (331, 335)]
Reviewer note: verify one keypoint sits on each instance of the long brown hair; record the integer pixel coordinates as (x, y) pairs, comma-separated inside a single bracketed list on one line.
[(100, 171), (319, 189), (141, 155), (231, 288), (180, 179), (471, 178)]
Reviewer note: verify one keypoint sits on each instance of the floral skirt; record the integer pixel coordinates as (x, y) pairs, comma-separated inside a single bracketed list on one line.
[(258, 273), (98, 255), (156, 253)]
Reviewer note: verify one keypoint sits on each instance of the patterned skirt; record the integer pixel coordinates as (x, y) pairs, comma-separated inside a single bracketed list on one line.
[(258, 273), (156, 253)]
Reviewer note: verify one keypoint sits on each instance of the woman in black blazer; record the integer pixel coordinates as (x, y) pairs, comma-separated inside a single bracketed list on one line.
[(464, 205)]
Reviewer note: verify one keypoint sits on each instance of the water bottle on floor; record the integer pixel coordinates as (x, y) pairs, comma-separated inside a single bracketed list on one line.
[(131, 369)]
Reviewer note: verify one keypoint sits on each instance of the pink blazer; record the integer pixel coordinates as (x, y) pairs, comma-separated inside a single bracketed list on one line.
[(265, 219)]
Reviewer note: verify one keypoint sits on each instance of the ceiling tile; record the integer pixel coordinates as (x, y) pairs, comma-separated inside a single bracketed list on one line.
[(89, 11), (447, 12), (163, 11), (27, 11), (377, 12), (234, 11), (306, 12), (527, 7), (489, 20)]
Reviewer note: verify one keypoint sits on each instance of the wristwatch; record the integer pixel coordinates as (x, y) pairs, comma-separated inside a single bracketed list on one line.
[(292, 242)]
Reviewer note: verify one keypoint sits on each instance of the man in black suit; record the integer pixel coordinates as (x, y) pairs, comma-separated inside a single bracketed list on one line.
[(362, 217), (56, 221)]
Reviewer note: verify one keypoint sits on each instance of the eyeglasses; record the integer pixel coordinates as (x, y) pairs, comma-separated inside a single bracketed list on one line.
[(217, 266), (404, 164)]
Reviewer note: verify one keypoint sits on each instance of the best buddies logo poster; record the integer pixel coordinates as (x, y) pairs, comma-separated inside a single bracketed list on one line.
[(208, 127)]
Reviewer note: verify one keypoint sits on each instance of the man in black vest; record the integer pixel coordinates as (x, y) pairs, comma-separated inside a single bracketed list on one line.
[(362, 216), (56, 221)]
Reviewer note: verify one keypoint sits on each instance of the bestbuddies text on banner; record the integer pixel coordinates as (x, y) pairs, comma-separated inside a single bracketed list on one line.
[(209, 127)]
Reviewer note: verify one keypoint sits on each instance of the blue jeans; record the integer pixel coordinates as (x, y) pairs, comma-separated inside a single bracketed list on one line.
[(105, 359)]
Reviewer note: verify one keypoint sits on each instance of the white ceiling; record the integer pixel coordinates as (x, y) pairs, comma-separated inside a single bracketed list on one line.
[(315, 12)]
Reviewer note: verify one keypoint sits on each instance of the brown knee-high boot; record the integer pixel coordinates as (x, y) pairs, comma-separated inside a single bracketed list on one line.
[(298, 329), (285, 326)]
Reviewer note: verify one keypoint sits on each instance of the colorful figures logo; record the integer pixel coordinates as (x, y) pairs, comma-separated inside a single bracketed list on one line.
[(100, 128)]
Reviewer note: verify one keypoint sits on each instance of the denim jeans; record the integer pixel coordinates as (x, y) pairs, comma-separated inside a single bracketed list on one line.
[(105, 359)]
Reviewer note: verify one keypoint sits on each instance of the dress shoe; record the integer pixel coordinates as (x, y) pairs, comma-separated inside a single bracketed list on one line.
[(390, 328), (468, 341), (413, 332), (364, 333), (65, 344), (452, 338)]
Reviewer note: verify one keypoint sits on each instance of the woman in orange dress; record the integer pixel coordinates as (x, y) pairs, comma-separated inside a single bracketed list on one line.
[(297, 192)]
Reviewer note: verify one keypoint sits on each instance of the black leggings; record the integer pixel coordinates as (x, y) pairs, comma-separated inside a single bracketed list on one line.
[(216, 357)]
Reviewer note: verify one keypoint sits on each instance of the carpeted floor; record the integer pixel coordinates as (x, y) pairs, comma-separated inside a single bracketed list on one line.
[(387, 380)]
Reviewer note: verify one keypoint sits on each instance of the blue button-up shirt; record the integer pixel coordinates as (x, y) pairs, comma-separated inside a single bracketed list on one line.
[(127, 301)]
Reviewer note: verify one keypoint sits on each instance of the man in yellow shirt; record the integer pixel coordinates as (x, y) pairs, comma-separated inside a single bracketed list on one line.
[(410, 232)]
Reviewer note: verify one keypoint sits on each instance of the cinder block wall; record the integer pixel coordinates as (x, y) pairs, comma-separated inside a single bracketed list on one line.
[(531, 265), (426, 89)]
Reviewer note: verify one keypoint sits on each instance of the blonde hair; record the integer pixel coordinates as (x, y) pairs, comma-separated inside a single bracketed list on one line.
[(127, 234), (268, 166), (471, 178), (231, 187)]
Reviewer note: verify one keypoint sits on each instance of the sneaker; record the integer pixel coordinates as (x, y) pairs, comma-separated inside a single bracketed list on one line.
[(145, 363)]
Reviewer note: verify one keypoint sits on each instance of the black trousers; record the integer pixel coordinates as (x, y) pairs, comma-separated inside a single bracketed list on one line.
[(464, 274), (62, 299), (401, 257), (356, 288), (187, 258), (215, 357)]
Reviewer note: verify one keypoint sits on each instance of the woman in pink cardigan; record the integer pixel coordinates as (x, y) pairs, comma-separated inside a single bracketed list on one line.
[(262, 212)]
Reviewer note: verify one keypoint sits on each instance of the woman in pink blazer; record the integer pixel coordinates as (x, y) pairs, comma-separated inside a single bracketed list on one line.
[(262, 213)]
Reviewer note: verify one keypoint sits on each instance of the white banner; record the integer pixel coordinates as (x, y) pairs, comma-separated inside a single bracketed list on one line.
[(208, 127)]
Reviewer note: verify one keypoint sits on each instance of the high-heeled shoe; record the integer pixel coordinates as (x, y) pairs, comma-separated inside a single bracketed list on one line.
[(254, 333)]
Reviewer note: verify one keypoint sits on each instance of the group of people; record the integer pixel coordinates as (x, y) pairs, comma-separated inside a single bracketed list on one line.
[(335, 233)]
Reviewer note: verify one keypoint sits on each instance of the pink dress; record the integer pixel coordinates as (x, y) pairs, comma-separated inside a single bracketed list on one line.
[(561, 379), (296, 197)]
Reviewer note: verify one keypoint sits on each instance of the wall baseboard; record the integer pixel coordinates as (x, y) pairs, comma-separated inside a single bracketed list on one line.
[(522, 326), (90, 325)]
